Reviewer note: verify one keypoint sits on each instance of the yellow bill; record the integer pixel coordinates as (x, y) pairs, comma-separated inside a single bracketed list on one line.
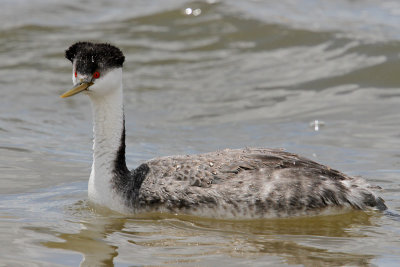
[(77, 89)]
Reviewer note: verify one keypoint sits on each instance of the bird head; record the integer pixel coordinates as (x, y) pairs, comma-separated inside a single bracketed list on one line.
[(96, 68)]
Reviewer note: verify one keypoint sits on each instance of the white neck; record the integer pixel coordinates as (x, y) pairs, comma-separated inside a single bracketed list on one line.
[(108, 118)]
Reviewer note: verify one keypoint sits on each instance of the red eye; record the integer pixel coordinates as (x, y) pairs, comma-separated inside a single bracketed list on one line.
[(96, 75), (76, 74)]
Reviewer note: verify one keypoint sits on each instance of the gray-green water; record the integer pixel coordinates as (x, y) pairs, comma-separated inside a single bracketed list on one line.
[(199, 76)]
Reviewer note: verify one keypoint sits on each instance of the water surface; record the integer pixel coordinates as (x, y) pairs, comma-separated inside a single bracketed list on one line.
[(199, 76)]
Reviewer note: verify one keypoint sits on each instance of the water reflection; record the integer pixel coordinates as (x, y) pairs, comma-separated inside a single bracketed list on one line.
[(106, 239), (91, 242)]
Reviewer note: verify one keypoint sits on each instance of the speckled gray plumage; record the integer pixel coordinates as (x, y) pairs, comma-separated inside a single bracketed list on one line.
[(244, 183)]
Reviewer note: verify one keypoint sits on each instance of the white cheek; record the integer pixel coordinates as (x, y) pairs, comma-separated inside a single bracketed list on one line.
[(107, 82), (79, 78)]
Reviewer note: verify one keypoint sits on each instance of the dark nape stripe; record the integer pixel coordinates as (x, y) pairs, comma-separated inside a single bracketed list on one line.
[(125, 182), (120, 168)]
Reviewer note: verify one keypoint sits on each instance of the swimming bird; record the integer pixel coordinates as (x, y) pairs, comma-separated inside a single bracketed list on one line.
[(231, 183)]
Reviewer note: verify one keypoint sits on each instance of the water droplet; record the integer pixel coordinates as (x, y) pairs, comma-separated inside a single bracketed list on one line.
[(188, 11), (317, 124), (196, 12)]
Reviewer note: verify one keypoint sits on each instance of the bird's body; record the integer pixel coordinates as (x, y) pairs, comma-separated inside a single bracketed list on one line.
[(243, 183), (239, 183)]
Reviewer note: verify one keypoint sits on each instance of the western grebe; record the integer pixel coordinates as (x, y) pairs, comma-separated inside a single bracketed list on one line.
[(232, 183)]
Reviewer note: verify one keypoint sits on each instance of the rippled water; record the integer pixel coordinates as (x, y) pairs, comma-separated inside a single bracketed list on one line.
[(199, 76)]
